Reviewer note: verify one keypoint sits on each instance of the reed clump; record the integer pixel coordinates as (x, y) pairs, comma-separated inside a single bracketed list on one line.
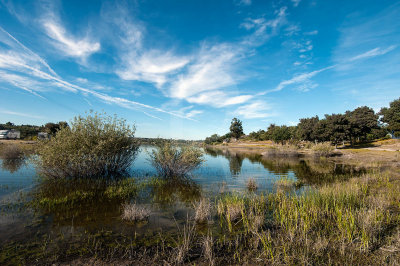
[(251, 184), (202, 210), (135, 213)]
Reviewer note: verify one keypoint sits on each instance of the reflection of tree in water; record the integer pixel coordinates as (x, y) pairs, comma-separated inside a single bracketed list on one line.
[(13, 158), (307, 171), (324, 172), (167, 191), (213, 152), (235, 164), (82, 202), (12, 165), (235, 159)]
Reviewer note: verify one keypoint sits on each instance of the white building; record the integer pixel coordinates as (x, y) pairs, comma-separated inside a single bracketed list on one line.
[(10, 134)]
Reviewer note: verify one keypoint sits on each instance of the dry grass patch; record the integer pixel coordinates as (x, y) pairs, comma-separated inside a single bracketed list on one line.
[(135, 213), (202, 210)]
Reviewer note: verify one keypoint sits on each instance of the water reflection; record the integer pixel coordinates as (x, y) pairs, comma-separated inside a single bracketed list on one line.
[(169, 191), (12, 158), (12, 165), (309, 171)]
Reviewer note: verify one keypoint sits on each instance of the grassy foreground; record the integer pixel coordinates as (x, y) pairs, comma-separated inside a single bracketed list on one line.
[(352, 222)]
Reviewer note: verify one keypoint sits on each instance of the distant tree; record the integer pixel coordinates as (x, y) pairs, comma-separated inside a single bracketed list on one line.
[(391, 117), (281, 134), (63, 124), (212, 139), (270, 131), (307, 128), (362, 121), (236, 128), (51, 128), (259, 135), (9, 125)]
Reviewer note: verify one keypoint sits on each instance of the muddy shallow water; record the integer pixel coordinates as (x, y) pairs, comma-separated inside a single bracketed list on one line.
[(170, 201)]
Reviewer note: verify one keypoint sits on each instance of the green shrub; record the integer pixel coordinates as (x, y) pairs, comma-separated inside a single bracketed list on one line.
[(95, 146), (323, 149), (172, 161)]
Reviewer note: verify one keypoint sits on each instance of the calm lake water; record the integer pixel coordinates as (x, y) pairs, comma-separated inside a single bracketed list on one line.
[(224, 170)]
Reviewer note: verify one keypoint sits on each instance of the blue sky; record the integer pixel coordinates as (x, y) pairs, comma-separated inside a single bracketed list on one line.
[(184, 69)]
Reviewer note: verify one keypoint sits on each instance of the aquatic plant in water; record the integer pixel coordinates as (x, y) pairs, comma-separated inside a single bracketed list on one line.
[(94, 146), (172, 161)]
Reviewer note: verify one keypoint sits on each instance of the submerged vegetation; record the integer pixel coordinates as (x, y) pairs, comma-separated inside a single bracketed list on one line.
[(95, 146)]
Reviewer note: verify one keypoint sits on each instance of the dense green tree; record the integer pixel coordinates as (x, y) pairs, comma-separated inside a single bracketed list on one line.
[(259, 135), (51, 128), (212, 139), (391, 117), (307, 128), (281, 134), (338, 128), (362, 121), (236, 128)]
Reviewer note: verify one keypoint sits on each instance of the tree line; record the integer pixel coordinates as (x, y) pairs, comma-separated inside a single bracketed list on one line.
[(360, 125), (31, 131)]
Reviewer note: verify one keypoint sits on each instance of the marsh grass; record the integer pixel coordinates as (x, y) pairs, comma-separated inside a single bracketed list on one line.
[(135, 213), (354, 221), (284, 183), (251, 184), (202, 210)]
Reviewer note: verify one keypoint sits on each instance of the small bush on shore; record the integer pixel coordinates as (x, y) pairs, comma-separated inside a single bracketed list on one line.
[(323, 149), (95, 146), (172, 161)]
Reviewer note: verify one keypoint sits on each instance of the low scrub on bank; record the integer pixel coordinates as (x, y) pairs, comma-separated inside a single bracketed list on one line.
[(95, 146), (323, 149), (173, 161)]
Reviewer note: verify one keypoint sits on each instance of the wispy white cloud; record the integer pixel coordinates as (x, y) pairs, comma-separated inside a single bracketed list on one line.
[(372, 53), (218, 99), (296, 2), (211, 70), (303, 79), (7, 112), (68, 44), (314, 32), (264, 29), (243, 2), (256, 109), (20, 65), (136, 61), (152, 66)]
